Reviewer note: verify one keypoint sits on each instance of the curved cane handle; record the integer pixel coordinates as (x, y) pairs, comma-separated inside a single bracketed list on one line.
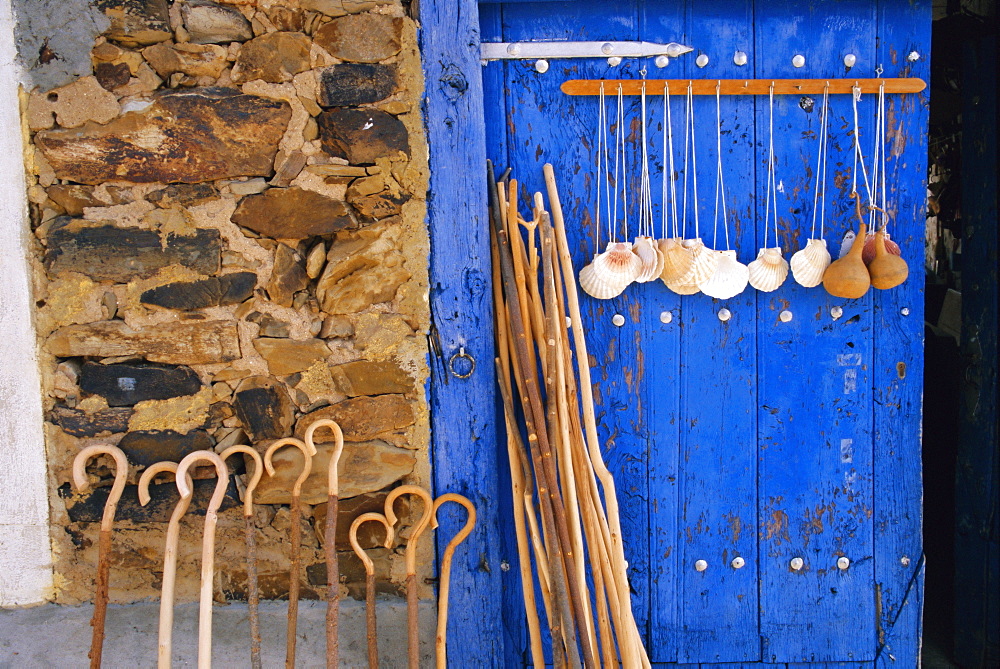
[(151, 472), (307, 453), (470, 521), (121, 474), (220, 469), (421, 524), (258, 472), (358, 550), (332, 477)]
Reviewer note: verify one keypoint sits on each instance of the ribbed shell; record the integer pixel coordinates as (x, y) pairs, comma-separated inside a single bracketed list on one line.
[(677, 260), (705, 262), (610, 272), (769, 270), (650, 257), (729, 279), (809, 263), (868, 254)]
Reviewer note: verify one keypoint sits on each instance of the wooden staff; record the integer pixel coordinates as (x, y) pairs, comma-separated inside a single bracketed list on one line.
[(330, 537), (295, 537), (440, 642), (250, 533), (104, 542), (370, 623), (553, 511), (207, 545), (632, 641), (166, 629), (412, 603)]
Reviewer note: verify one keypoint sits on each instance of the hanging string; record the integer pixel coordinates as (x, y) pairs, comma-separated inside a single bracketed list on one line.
[(669, 136), (645, 191), (771, 187), (877, 156), (694, 160), (620, 186), (602, 174), (885, 164), (819, 194), (720, 184), (855, 97), (687, 144)]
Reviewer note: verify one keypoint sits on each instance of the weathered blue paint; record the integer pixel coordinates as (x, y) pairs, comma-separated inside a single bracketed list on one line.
[(463, 423), (707, 426)]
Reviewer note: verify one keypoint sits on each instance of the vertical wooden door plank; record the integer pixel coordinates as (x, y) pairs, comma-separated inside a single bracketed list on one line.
[(815, 417), (662, 21), (718, 606), (465, 447), (547, 126), (904, 28)]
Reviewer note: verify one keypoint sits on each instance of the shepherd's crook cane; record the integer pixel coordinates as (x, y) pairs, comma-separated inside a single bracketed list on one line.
[(412, 603), (104, 543), (329, 539), (449, 552), (163, 650), (370, 623), (295, 536), (253, 596), (207, 546)]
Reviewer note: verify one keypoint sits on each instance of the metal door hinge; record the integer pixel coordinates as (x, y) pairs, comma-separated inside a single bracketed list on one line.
[(534, 50)]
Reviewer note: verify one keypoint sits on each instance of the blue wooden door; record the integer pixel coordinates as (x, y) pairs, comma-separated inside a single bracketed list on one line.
[(749, 441)]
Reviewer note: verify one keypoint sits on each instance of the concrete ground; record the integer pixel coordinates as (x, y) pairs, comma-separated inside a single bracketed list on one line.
[(59, 636)]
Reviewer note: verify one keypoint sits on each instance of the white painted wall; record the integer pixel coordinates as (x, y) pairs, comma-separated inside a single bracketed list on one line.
[(25, 550)]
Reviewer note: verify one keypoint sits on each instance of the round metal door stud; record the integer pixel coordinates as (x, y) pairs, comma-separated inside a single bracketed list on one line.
[(541, 66), (785, 316), (738, 562), (662, 61), (850, 59), (701, 61), (796, 563), (700, 565), (725, 315), (614, 61), (514, 49), (798, 60), (843, 563), (836, 312), (666, 317), (905, 561), (607, 48), (913, 56), (569, 322), (905, 311), (618, 320), (740, 58)]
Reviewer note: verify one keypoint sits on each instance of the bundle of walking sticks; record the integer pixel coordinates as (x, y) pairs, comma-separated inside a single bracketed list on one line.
[(565, 507)]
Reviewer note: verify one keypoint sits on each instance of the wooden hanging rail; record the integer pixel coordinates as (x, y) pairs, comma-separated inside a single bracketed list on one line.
[(739, 86)]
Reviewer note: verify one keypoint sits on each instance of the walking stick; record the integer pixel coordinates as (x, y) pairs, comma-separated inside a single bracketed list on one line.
[(104, 543), (412, 603), (440, 642), (370, 624), (329, 543), (253, 596), (294, 535), (207, 545), (166, 630)]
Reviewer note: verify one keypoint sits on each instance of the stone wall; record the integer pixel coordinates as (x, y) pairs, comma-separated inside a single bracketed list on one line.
[(229, 212)]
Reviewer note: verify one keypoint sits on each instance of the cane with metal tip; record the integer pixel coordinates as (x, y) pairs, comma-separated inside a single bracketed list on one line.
[(412, 603), (329, 540), (370, 623), (294, 535), (440, 642), (164, 650), (253, 596), (207, 545), (104, 543)]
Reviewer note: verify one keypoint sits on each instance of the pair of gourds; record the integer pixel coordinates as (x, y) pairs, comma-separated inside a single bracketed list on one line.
[(849, 277)]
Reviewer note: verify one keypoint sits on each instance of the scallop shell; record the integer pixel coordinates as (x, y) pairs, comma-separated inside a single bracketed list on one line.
[(682, 288), (769, 270), (868, 254), (610, 272), (651, 258), (729, 279), (809, 263), (705, 262), (677, 260)]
